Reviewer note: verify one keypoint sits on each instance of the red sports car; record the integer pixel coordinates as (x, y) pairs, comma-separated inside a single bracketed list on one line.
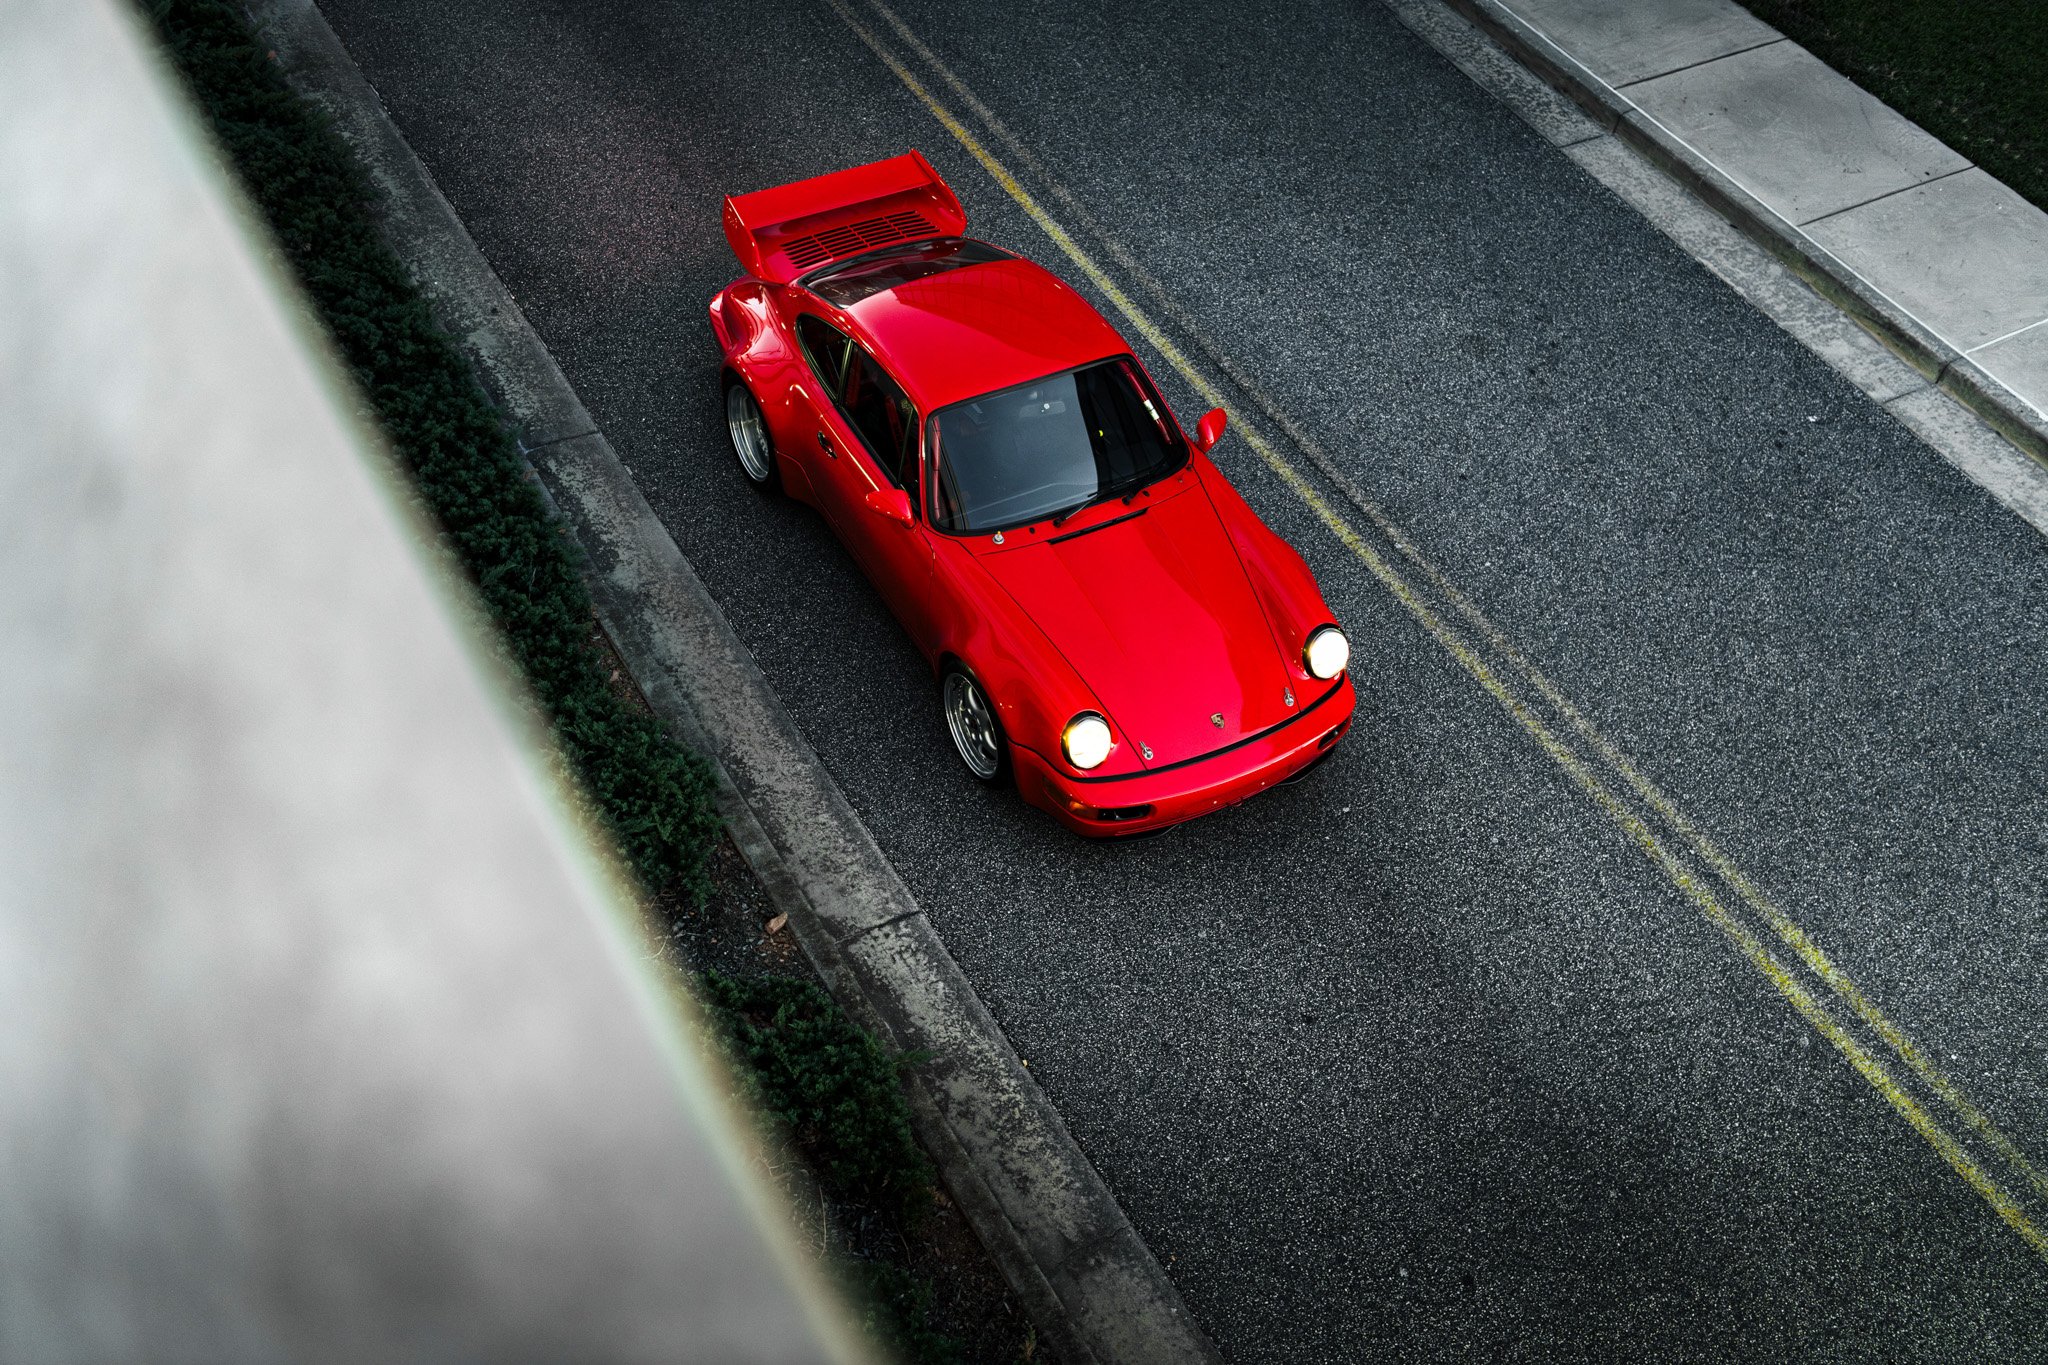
[(1110, 623)]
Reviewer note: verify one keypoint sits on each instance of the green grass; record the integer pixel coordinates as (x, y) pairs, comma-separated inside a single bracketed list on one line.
[(462, 463), (1973, 74)]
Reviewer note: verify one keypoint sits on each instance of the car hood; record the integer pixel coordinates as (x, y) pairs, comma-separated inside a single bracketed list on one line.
[(1151, 606)]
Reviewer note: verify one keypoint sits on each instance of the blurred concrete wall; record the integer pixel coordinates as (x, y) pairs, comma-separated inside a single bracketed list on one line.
[(322, 1036)]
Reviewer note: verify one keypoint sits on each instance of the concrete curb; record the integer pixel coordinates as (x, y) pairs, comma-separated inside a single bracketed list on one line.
[(1612, 111), (1089, 1283)]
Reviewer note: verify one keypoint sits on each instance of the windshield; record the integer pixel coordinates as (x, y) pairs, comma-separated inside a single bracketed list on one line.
[(1049, 447)]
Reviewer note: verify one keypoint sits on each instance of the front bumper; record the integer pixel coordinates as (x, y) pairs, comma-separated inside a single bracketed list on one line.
[(1138, 802)]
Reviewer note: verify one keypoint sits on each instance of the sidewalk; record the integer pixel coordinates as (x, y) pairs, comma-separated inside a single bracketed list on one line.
[(1942, 260)]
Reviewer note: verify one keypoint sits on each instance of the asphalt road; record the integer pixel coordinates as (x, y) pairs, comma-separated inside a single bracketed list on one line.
[(1424, 1056)]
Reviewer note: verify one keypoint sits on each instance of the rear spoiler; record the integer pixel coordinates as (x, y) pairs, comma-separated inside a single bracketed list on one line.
[(780, 233)]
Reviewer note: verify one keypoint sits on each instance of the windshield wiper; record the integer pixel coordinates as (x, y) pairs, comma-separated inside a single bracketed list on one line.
[(1064, 517), (1126, 491)]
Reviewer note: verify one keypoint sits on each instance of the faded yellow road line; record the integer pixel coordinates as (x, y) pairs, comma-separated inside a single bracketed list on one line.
[(1688, 883), (1788, 932)]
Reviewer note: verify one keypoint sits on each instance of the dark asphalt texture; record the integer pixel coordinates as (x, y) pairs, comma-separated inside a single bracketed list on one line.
[(1422, 1057)]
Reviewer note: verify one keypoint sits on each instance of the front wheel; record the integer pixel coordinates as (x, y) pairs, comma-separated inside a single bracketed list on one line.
[(977, 733), (749, 436)]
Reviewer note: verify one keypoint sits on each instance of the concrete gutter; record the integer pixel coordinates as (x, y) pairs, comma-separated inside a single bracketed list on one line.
[(1943, 263), (1092, 1287)]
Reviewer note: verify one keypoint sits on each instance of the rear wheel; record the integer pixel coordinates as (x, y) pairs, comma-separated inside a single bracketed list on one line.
[(749, 435), (977, 733)]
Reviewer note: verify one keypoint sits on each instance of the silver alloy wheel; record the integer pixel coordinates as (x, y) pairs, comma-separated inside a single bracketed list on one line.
[(973, 723), (749, 436)]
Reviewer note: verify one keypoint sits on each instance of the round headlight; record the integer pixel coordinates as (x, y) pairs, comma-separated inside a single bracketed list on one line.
[(1087, 740), (1327, 653)]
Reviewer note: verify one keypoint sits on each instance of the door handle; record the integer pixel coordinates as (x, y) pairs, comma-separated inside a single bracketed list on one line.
[(826, 445)]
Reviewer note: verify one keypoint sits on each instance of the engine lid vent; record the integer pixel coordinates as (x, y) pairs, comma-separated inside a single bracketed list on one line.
[(846, 239)]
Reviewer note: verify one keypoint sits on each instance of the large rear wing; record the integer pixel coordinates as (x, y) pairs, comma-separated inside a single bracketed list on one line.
[(780, 233)]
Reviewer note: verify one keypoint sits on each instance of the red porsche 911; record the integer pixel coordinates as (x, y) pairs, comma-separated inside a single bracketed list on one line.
[(1110, 623)]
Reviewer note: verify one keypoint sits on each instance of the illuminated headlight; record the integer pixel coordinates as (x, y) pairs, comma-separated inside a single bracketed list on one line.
[(1327, 653), (1086, 740)]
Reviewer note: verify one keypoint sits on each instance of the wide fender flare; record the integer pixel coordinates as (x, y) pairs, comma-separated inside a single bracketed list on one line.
[(756, 346)]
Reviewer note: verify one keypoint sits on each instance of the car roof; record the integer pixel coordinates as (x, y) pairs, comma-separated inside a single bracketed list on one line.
[(962, 333)]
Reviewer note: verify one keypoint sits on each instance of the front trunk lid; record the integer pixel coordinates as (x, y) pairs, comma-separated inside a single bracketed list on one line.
[(1150, 605)]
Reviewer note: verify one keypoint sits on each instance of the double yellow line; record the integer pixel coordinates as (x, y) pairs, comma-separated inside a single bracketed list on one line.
[(1693, 863)]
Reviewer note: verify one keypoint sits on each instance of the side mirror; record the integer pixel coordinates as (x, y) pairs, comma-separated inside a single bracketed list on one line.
[(1209, 430), (892, 503)]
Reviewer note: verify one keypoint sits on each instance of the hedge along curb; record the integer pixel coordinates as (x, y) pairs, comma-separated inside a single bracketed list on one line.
[(1092, 1287), (1956, 374)]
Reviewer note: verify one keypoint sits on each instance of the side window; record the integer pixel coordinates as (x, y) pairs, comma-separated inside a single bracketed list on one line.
[(874, 407), (883, 416), (826, 347)]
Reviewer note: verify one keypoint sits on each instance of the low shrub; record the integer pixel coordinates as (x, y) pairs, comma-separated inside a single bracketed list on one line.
[(828, 1086), (833, 1093)]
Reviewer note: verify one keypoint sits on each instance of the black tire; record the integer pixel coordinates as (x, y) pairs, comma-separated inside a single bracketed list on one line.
[(977, 731), (747, 431)]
